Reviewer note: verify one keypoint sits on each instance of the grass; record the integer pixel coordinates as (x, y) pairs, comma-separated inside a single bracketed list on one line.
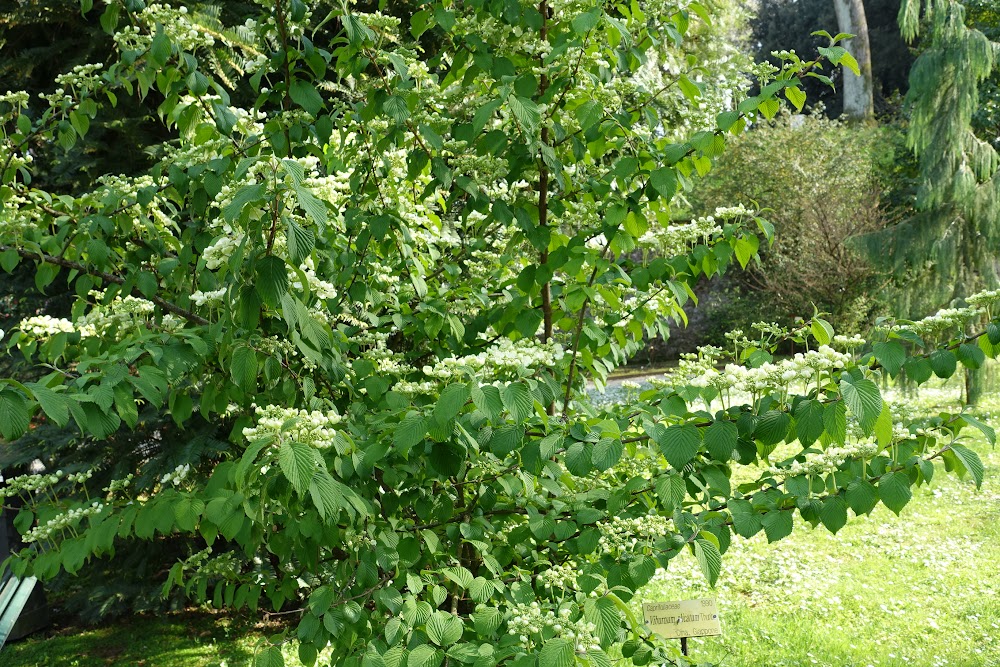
[(921, 590)]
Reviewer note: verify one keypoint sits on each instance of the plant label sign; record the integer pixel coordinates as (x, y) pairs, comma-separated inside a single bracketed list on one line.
[(684, 618)]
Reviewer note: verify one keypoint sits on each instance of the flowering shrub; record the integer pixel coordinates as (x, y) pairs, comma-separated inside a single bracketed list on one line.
[(386, 286)]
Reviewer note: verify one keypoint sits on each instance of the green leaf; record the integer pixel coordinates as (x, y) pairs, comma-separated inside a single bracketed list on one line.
[(187, 512), (971, 462), (918, 369), (584, 23), (709, 559), (664, 181), (606, 617), (777, 525), (821, 330), (671, 491), (890, 355), (679, 443), (425, 656), (159, 48), (971, 355), (557, 653), (746, 520), (861, 496), (55, 405), (272, 280), (327, 494), (451, 402), (883, 427), (848, 61), (864, 400), (943, 363), (243, 196), (269, 657), (395, 107), (306, 96), (607, 453), (14, 416), (300, 241), (809, 421), (795, 96), (589, 114), (487, 620), (894, 491), (772, 427), (834, 513), (526, 112), (444, 629), (518, 401), (720, 439), (409, 433), (243, 368), (985, 429), (298, 464)]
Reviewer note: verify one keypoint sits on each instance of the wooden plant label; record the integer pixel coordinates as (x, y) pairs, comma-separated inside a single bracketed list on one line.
[(684, 618)]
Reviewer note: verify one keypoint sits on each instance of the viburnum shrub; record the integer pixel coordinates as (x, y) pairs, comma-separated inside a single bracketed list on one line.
[(385, 285)]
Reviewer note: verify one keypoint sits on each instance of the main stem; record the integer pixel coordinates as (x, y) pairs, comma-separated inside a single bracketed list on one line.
[(543, 200)]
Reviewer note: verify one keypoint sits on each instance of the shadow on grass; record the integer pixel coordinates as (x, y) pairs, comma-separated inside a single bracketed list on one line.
[(184, 639)]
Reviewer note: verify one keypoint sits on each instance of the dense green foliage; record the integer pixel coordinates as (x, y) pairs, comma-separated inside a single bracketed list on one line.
[(339, 337), (822, 182)]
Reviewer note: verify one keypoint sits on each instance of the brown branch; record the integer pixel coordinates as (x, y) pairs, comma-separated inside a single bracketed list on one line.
[(107, 277)]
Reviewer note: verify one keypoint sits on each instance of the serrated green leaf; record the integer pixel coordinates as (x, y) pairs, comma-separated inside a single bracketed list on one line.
[(679, 443), (395, 107), (589, 114), (746, 520), (943, 363), (987, 430), (526, 112), (298, 464), (890, 355), (709, 559), (444, 629), (606, 617), (821, 330), (425, 656), (607, 453), (971, 462), (243, 368), (272, 280), (269, 657), (55, 405), (809, 421), (557, 653), (795, 96), (300, 242), (777, 525), (518, 401), (861, 496), (409, 433), (864, 400), (894, 491), (834, 513), (720, 439), (664, 181), (306, 96), (486, 621), (772, 427)]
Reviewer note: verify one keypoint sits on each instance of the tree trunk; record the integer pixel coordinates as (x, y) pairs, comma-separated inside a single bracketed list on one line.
[(859, 103)]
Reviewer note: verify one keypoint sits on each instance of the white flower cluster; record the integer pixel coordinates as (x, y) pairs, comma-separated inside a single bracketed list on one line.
[(848, 342), (944, 320), (121, 312), (210, 298), (621, 534), (311, 428), (43, 326), (62, 521), (771, 376), (504, 359), (529, 621), (672, 240), (28, 483), (984, 299), (827, 461), (177, 475), (559, 577)]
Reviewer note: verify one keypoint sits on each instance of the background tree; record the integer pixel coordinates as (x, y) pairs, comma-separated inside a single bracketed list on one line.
[(859, 101)]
